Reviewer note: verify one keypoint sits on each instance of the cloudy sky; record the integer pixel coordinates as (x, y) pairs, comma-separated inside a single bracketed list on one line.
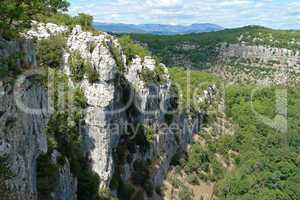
[(284, 14)]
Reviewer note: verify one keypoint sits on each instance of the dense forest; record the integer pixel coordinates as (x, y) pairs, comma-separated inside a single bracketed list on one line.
[(262, 161)]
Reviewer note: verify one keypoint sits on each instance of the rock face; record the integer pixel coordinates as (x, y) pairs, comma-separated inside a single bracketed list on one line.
[(21, 133), (67, 183), (24, 116), (101, 99), (107, 115), (106, 108), (43, 31), (259, 64)]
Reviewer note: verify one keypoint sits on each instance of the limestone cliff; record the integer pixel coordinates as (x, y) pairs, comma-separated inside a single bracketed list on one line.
[(121, 97), (259, 64)]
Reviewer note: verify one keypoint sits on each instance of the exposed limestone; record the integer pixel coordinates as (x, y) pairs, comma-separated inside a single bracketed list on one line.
[(44, 31), (100, 98), (21, 135), (259, 64), (67, 184), (23, 139)]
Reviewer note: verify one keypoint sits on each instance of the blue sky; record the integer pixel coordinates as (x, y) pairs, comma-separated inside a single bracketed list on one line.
[(283, 14)]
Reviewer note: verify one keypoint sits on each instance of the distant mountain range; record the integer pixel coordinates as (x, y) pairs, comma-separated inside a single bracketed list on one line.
[(158, 29)]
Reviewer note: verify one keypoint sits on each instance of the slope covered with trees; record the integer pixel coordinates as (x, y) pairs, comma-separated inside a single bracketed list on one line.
[(238, 151), (201, 50)]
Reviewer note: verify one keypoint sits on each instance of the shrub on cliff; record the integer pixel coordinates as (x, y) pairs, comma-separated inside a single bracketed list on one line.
[(132, 49), (117, 57), (77, 66), (50, 51), (153, 77), (82, 19), (185, 194), (80, 67), (5, 174), (92, 73), (47, 173)]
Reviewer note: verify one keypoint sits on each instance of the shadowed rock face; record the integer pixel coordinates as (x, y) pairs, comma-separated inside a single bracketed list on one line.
[(21, 134)]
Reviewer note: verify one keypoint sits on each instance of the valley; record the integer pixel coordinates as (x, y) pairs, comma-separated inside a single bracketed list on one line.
[(90, 115)]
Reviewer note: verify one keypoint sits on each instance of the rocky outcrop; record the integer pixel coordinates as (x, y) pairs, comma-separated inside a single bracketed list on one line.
[(106, 116), (101, 99), (67, 183), (105, 109), (21, 133), (44, 30), (259, 64)]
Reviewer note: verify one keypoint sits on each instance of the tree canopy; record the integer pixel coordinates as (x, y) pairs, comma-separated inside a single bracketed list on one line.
[(15, 15)]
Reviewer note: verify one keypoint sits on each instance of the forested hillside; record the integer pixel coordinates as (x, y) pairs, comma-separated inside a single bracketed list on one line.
[(201, 50), (238, 152)]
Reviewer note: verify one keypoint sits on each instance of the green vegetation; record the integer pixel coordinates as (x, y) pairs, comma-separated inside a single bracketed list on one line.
[(150, 135), (105, 194), (84, 20), (9, 66), (117, 57), (131, 49), (201, 50), (185, 194), (63, 135), (79, 67), (47, 174), (16, 15), (154, 77), (268, 161), (190, 85), (50, 51), (92, 74), (5, 174)]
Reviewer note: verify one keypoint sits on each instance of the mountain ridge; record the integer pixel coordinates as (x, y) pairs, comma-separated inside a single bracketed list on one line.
[(157, 29)]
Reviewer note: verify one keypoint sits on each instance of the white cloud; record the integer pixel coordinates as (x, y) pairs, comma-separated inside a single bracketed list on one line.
[(228, 13)]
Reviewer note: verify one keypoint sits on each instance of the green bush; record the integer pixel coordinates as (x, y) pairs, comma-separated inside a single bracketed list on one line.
[(138, 196), (175, 182), (80, 100), (185, 194), (153, 77), (125, 191), (198, 158), (9, 66), (47, 174), (50, 51), (193, 179), (78, 66), (117, 57), (5, 174), (132, 49), (59, 18), (93, 75), (16, 16), (150, 135), (105, 194)]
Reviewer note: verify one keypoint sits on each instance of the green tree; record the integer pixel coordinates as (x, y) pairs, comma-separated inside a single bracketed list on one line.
[(15, 15), (84, 20)]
